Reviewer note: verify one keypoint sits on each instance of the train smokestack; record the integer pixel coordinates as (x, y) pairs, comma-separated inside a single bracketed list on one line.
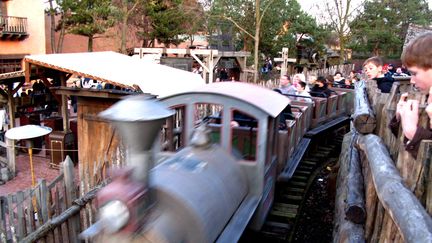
[(138, 118)]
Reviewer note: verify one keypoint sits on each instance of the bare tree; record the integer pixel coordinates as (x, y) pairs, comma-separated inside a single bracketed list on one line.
[(339, 14), (255, 37), (125, 8)]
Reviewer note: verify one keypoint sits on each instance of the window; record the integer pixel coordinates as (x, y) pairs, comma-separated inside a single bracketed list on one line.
[(10, 65)]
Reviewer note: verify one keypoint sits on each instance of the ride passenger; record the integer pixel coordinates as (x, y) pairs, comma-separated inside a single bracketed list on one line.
[(301, 90), (399, 73), (285, 85), (417, 58), (374, 70), (339, 80), (297, 78), (320, 89)]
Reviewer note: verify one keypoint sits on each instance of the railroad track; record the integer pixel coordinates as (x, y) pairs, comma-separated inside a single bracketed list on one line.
[(281, 222)]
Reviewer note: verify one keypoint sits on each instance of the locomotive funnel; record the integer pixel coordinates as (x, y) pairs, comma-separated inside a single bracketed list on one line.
[(138, 119)]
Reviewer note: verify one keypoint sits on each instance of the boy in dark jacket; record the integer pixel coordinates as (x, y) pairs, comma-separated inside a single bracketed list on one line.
[(374, 70)]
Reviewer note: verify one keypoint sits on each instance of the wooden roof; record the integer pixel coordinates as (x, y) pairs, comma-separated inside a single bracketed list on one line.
[(121, 70), (12, 77)]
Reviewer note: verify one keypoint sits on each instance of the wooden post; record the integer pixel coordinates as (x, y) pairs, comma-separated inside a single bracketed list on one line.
[(211, 67), (20, 226), (206, 61), (64, 105), (69, 177), (363, 117), (10, 143), (345, 230), (11, 106), (43, 200), (10, 153), (412, 220)]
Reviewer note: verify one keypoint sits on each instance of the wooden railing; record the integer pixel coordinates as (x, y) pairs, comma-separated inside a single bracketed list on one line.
[(13, 25), (397, 187)]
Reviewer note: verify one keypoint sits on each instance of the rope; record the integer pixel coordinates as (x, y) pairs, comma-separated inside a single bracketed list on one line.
[(45, 149)]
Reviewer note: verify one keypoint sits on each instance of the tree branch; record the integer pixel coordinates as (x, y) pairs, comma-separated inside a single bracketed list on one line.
[(236, 24), (133, 7), (264, 11)]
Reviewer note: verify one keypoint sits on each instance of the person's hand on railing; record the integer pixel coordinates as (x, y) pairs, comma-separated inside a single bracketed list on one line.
[(400, 104), (409, 118)]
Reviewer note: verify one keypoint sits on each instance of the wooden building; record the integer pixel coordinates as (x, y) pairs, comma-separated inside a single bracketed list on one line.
[(96, 138)]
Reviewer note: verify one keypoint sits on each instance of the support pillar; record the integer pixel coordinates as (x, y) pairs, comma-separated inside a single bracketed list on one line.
[(64, 105)]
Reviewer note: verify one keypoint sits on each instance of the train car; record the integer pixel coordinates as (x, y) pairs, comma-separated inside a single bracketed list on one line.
[(214, 171)]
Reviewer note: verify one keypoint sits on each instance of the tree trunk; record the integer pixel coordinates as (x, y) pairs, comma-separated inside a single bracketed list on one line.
[(191, 37), (61, 38), (124, 27), (411, 218), (363, 118), (90, 44), (52, 29), (257, 36), (342, 48), (345, 230), (355, 201)]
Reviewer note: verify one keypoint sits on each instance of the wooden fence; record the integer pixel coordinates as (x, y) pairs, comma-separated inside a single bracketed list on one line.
[(272, 80), (398, 187), (57, 211)]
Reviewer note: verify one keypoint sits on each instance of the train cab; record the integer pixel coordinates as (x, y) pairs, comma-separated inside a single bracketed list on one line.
[(243, 119)]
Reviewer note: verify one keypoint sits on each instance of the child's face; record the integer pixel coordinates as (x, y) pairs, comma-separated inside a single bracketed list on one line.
[(372, 71), (422, 78)]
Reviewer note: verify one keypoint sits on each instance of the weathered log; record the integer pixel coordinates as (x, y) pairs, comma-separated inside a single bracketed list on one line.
[(345, 230), (355, 203), (363, 118), (400, 203), (63, 217)]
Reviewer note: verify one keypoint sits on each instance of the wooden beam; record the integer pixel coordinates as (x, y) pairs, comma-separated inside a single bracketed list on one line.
[(211, 67), (178, 51), (3, 93), (11, 144), (200, 62), (363, 118), (11, 106), (64, 105), (355, 199), (27, 69), (18, 87), (48, 84), (241, 63), (411, 218), (345, 230)]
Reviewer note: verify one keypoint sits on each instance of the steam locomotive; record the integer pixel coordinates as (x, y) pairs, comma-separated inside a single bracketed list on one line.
[(199, 173)]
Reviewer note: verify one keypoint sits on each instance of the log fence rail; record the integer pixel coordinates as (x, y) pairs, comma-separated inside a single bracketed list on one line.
[(397, 187)]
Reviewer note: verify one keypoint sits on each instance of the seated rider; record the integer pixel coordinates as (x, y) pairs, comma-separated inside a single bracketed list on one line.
[(320, 89)]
